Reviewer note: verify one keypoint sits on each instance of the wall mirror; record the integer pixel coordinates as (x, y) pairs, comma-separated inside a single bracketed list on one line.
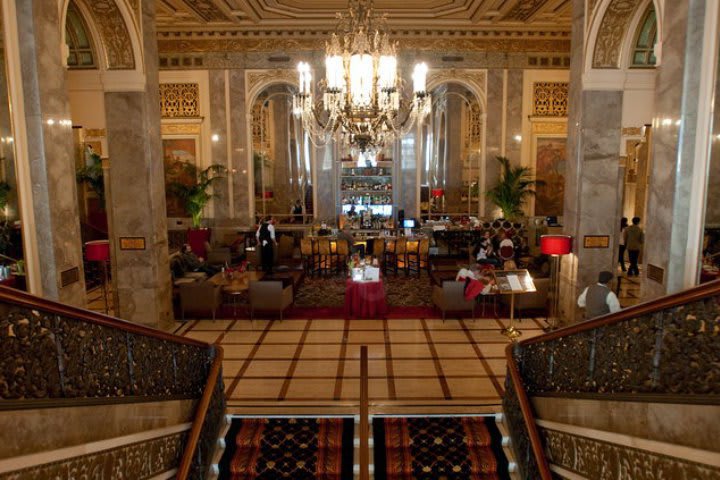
[(282, 164), (451, 159), (12, 263)]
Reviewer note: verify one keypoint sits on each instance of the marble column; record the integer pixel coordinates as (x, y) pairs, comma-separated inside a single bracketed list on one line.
[(407, 198), (50, 152), (454, 162), (493, 143), (219, 148), (674, 159), (141, 277), (239, 124), (513, 115), (325, 183), (592, 176)]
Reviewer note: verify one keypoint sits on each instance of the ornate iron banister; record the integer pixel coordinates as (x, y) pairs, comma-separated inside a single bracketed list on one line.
[(197, 458), (620, 353), (53, 353)]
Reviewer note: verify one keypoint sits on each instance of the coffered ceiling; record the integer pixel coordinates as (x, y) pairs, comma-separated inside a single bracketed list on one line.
[(511, 17)]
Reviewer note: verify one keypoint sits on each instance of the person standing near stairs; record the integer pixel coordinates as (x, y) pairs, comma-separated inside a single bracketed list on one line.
[(598, 299)]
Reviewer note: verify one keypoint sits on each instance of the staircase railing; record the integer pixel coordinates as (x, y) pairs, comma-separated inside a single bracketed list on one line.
[(56, 355), (666, 350)]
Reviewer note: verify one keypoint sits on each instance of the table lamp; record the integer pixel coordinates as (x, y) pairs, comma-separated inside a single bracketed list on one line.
[(555, 246), (99, 251)]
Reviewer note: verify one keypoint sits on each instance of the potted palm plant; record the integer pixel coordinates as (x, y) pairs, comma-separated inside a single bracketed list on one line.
[(513, 188), (194, 192)]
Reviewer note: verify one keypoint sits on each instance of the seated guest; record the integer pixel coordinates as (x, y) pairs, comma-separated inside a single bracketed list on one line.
[(345, 234), (484, 251), (193, 263)]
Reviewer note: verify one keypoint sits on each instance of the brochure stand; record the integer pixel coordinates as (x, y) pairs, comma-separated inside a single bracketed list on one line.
[(513, 282)]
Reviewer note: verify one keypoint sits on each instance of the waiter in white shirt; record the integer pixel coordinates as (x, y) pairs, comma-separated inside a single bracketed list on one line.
[(598, 299), (266, 239)]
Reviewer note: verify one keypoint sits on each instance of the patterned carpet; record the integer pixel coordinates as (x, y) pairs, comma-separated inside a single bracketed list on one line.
[(292, 448), (400, 291), (438, 448)]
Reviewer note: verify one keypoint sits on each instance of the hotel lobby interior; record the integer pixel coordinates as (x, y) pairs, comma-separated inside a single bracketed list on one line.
[(355, 239)]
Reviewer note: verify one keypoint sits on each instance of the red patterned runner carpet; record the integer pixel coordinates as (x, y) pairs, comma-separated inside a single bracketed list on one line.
[(438, 448), (292, 448)]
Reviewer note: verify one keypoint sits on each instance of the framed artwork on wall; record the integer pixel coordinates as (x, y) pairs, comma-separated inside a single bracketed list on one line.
[(177, 151), (550, 158)]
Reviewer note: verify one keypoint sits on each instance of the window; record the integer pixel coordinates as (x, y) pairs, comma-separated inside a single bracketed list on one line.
[(644, 52), (78, 41)]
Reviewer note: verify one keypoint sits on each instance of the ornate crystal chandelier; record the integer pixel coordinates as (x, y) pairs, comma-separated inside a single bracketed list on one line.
[(362, 102)]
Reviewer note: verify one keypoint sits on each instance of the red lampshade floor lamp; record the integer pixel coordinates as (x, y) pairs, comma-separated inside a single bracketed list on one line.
[(99, 251), (555, 246)]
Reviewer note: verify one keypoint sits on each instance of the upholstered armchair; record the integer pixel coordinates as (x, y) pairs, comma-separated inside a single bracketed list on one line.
[(270, 296), (200, 297), (450, 297), (217, 255)]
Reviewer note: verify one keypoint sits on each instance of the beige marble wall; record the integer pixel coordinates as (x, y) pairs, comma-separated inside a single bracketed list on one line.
[(673, 146), (50, 150), (137, 180), (45, 429)]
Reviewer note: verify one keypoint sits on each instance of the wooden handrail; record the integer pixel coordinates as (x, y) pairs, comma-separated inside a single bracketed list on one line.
[(528, 415), (687, 296), (364, 414), (200, 413), (26, 300)]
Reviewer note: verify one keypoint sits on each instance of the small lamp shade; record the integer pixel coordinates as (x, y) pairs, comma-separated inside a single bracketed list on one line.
[(556, 244), (268, 194), (97, 250), (437, 192)]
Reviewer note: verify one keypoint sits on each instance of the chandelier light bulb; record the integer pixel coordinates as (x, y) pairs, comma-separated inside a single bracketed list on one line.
[(387, 71), (420, 77)]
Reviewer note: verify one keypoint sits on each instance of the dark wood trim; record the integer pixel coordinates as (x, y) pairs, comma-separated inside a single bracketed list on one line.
[(200, 414), (26, 300), (669, 398), (364, 416), (694, 294), (42, 403), (528, 415)]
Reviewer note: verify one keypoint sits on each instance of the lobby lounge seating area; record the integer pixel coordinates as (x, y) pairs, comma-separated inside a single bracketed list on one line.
[(360, 239)]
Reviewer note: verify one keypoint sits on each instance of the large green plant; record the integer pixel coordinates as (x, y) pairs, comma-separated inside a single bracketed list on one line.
[(195, 193), (92, 175), (514, 187)]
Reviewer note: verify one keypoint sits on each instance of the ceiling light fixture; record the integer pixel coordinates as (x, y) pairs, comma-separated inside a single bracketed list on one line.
[(362, 103)]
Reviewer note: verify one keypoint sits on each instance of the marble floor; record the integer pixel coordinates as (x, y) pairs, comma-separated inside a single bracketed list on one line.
[(313, 366)]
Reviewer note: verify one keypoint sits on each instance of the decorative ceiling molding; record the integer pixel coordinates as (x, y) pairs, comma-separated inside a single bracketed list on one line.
[(522, 11), (204, 45), (304, 15), (114, 33), (613, 29)]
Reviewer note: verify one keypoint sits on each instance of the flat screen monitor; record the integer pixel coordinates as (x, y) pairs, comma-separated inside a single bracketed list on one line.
[(409, 223)]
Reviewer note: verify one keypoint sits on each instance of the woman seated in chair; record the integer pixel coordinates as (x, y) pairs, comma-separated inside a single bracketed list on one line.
[(484, 252)]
